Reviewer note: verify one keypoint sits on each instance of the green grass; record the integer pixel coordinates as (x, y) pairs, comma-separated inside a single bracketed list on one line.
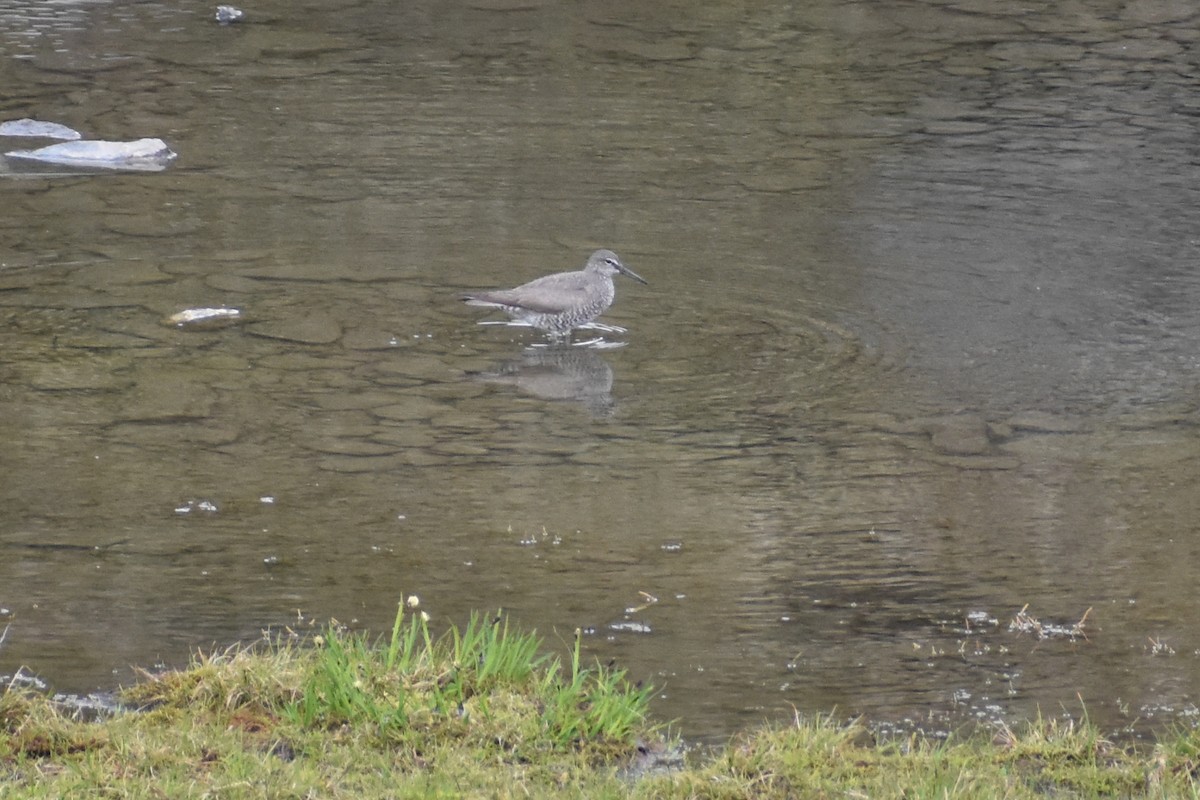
[(412, 681), (822, 758), (483, 711)]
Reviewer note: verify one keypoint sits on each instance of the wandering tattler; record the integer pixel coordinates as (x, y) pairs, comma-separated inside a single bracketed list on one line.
[(560, 302)]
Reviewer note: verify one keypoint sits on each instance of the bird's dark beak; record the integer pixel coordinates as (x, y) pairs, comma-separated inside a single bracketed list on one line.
[(626, 270)]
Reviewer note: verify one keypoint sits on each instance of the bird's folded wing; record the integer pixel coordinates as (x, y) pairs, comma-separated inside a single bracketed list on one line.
[(546, 300)]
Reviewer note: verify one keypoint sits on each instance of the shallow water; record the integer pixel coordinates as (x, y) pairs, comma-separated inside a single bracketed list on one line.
[(919, 341)]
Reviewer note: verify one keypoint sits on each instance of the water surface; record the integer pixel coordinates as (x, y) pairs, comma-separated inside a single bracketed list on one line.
[(919, 344)]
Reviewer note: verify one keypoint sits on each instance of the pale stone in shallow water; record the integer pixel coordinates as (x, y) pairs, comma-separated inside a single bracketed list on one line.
[(38, 129), (205, 318), (143, 155), (228, 14)]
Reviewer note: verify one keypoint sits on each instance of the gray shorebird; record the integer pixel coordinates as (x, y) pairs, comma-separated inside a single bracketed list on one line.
[(560, 302)]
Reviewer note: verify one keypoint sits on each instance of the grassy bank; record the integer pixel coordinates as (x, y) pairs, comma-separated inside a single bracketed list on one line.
[(483, 711)]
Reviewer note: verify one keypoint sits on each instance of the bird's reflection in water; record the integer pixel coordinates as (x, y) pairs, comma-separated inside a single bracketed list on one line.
[(575, 372)]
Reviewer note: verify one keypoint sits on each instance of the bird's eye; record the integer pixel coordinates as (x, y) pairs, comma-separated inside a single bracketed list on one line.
[(612, 262)]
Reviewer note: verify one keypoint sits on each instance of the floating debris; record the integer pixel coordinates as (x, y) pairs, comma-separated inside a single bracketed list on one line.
[(647, 601), (38, 129), (981, 619), (206, 506), (1159, 647), (24, 680), (1024, 622), (228, 14), (205, 318), (534, 539), (142, 155)]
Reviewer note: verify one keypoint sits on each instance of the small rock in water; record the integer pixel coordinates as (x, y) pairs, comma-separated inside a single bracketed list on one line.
[(143, 155), (205, 318), (228, 14), (37, 128)]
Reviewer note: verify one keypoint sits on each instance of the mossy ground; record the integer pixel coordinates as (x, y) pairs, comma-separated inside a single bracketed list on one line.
[(482, 712)]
